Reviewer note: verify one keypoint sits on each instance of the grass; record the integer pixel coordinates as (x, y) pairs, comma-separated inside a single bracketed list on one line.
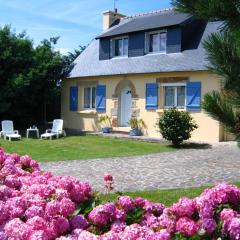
[(81, 147), (167, 197)]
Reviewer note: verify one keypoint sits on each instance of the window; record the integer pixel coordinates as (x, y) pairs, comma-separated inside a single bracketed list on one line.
[(121, 47), (174, 96), (157, 42), (89, 98)]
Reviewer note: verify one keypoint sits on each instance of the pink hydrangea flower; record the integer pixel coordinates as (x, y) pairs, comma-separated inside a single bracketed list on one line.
[(39, 235), (209, 225), (168, 221), (126, 203), (103, 214), (36, 205), (186, 226), (4, 212), (162, 235), (34, 211), (234, 229), (67, 207), (52, 209), (185, 207), (59, 225), (78, 222), (108, 177), (37, 223), (16, 229)]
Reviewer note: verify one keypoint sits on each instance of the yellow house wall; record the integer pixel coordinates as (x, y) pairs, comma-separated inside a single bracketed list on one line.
[(209, 130)]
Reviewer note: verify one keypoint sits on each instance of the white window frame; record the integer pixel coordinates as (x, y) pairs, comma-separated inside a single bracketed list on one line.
[(114, 46), (175, 85), (149, 42), (91, 95)]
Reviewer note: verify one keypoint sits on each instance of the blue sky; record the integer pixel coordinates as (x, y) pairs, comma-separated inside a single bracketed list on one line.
[(77, 22)]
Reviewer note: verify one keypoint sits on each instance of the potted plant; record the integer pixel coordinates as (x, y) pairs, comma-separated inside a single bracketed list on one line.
[(106, 124), (136, 126)]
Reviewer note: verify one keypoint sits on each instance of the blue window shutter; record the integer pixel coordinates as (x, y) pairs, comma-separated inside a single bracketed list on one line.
[(73, 98), (104, 49), (174, 40), (136, 44), (101, 98), (193, 96), (151, 96)]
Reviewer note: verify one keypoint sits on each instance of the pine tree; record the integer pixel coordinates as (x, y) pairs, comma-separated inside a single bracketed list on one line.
[(223, 53)]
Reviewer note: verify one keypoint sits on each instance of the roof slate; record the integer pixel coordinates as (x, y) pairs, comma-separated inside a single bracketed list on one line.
[(89, 65), (149, 21)]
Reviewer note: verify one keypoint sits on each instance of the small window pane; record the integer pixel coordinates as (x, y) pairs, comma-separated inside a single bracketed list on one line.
[(87, 97), (121, 47), (125, 46), (118, 45), (169, 96), (153, 43), (93, 97), (181, 96), (163, 42)]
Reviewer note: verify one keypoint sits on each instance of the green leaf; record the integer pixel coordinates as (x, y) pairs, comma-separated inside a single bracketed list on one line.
[(135, 215)]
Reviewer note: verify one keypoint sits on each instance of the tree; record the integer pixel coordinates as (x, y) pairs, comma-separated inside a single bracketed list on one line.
[(73, 55), (28, 77), (223, 52), (70, 57), (15, 60)]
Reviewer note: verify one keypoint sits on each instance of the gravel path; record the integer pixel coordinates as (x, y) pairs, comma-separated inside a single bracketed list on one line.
[(182, 168)]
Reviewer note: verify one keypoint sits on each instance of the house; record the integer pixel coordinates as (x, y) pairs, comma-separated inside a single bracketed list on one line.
[(139, 66)]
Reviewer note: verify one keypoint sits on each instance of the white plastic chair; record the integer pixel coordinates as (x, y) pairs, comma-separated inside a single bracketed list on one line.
[(8, 130), (56, 131)]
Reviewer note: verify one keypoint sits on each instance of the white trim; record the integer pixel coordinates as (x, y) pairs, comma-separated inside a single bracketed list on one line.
[(159, 33), (88, 111), (91, 91), (126, 106), (114, 46), (120, 57), (173, 84), (157, 53), (120, 37)]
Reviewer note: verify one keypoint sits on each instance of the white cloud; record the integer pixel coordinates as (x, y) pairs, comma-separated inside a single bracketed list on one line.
[(64, 51)]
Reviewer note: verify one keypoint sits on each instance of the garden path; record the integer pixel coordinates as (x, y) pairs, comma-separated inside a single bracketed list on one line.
[(182, 168)]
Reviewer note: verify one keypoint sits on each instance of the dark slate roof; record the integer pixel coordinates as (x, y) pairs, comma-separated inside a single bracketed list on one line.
[(89, 65), (157, 20)]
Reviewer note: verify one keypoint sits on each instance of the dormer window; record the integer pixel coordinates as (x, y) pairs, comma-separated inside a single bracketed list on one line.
[(158, 42), (120, 47)]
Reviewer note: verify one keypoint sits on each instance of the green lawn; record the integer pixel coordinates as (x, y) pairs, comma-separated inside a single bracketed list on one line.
[(81, 147), (167, 197)]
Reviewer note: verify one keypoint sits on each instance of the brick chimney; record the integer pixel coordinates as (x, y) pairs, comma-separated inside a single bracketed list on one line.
[(109, 17)]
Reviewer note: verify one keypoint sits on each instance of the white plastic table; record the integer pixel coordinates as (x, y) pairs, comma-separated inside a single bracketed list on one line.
[(32, 130)]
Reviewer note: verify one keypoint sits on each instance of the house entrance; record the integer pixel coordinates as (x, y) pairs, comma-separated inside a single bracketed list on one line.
[(126, 106)]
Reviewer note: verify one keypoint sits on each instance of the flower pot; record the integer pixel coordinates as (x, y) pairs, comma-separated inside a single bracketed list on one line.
[(135, 132), (106, 130)]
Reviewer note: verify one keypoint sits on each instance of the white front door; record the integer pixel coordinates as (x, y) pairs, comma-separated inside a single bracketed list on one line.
[(126, 106)]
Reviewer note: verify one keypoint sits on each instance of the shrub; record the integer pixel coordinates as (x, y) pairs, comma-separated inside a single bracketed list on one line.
[(176, 126), (36, 205)]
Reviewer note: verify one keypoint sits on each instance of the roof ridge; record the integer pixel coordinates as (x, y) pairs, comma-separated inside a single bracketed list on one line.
[(149, 13)]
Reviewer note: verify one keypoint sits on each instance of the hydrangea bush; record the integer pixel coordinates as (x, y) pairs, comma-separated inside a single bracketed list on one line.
[(36, 205)]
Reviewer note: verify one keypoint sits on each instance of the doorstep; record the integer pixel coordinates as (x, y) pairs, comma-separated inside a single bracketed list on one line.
[(121, 130), (125, 135)]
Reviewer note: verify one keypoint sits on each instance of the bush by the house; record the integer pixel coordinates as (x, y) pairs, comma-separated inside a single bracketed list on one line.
[(36, 205), (176, 126)]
